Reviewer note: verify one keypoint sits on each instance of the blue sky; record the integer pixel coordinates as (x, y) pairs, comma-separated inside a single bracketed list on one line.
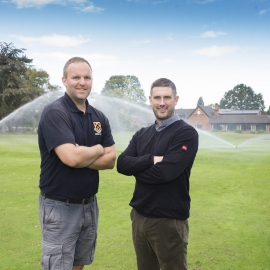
[(205, 46)]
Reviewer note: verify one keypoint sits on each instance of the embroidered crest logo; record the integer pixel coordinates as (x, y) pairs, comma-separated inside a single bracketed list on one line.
[(97, 127)]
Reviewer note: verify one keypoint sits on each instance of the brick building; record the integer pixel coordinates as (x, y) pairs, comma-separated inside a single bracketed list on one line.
[(210, 119)]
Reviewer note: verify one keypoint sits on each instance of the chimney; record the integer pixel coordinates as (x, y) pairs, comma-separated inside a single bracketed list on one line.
[(216, 109)]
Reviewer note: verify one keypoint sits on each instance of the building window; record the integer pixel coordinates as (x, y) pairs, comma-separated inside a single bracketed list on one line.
[(198, 112)]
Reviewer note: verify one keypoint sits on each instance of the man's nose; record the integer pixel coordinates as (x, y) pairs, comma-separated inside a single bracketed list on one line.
[(82, 81), (162, 101)]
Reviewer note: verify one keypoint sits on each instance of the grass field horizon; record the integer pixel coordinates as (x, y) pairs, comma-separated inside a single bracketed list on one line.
[(229, 221)]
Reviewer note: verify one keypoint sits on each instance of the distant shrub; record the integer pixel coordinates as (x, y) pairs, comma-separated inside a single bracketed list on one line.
[(261, 131), (214, 130), (238, 131), (252, 132)]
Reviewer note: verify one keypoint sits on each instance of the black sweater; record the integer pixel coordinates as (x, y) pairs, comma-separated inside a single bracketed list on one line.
[(161, 190)]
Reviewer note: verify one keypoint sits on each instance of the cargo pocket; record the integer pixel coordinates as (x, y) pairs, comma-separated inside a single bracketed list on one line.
[(51, 256), (92, 254), (49, 210)]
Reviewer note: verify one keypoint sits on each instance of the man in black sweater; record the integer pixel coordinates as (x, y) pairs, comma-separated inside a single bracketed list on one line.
[(161, 157)]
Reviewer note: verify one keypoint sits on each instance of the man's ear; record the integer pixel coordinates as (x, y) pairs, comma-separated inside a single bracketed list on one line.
[(64, 80), (176, 99), (150, 100)]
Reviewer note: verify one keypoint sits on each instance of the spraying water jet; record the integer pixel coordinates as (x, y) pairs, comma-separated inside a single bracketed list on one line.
[(123, 116)]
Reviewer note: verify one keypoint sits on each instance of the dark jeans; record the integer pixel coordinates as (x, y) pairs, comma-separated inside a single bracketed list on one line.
[(160, 243)]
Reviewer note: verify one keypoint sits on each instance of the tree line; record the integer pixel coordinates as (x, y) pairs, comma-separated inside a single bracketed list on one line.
[(241, 97), (21, 83)]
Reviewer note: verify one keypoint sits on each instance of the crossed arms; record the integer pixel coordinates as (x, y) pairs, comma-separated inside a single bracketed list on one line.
[(158, 169), (95, 157)]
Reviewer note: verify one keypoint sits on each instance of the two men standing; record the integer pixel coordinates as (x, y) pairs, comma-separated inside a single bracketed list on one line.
[(75, 142)]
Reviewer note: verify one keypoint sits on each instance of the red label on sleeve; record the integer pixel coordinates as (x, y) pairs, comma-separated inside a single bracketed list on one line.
[(184, 148)]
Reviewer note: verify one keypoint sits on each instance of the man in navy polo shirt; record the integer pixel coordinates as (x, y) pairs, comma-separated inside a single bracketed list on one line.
[(75, 142)]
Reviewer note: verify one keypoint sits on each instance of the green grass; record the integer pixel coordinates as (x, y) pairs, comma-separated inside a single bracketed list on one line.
[(229, 223)]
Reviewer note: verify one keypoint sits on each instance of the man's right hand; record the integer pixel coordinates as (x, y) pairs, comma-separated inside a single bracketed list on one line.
[(157, 159)]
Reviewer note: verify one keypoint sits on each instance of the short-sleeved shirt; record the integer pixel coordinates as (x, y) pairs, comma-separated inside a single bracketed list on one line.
[(62, 122)]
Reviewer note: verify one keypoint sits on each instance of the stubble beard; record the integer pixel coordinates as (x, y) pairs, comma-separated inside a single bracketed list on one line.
[(79, 99), (170, 113)]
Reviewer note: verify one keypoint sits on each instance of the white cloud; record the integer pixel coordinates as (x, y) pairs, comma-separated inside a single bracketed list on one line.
[(160, 2), (212, 34), (169, 37), (91, 8), (138, 1), (139, 42), (54, 40), (264, 11), (166, 61), (32, 3), (216, 51), (200, 2), (155, 2), (81, 5)]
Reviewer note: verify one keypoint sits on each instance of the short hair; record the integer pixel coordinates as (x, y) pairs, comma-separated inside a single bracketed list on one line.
[(74, 60), (163, 82)]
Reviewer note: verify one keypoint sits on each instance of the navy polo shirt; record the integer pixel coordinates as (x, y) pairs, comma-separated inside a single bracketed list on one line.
[(62, 122)]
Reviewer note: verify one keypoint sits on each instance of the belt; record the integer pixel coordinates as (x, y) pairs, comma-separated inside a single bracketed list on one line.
[(82, 201)]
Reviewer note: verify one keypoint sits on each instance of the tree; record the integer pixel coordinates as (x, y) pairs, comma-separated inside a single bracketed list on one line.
[(125, 87), (268, 111), (39, 79), (13, 64), (34, 83), (211, 105), (19, 81), (200, 102), (242, 97)]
